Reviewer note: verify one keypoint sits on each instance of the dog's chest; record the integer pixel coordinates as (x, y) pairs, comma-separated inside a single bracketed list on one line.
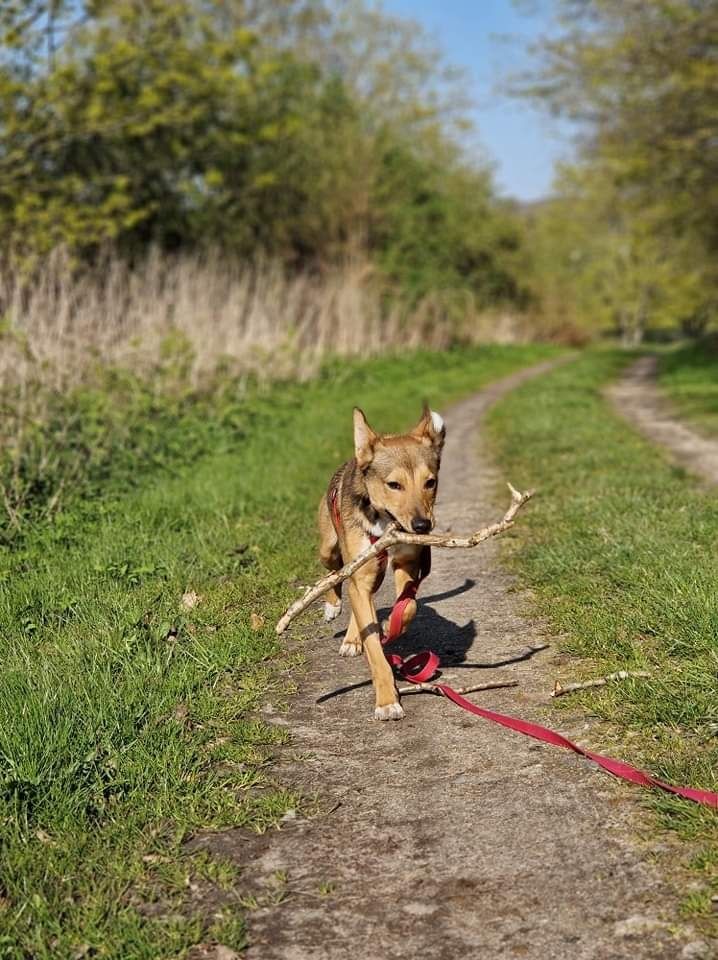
[(378, 528)]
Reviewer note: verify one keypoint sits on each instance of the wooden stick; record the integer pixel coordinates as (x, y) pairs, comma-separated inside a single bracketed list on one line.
[(559, 691), (390, 538), (436, 688)]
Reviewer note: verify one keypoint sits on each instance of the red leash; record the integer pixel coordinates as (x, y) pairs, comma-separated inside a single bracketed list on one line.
[(421, 667)]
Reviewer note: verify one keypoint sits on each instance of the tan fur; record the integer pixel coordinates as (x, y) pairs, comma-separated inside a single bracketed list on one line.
[(390, 477)]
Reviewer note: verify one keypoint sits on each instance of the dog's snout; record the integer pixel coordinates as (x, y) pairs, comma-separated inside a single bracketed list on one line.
[(420, 525)]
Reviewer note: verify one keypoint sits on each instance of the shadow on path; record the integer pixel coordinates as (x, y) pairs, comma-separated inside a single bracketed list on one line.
[(450, 641)]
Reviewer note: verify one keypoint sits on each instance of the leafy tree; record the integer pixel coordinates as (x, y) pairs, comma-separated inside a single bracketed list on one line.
[(155, 125), (300, 129), (640, 79)]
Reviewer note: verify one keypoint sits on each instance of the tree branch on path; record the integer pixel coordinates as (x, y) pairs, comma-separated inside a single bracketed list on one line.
[(436, 687)]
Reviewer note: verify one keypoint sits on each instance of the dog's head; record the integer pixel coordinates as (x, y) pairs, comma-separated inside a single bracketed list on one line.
[(401, 471)]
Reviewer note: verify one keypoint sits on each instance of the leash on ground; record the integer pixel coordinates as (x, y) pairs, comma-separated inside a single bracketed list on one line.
[(421, 667)]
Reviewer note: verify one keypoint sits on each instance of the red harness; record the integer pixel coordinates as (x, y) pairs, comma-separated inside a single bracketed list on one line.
[(421, 667)]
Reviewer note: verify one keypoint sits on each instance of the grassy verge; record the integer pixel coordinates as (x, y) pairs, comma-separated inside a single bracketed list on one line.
[(689, 376), (128, 719), (620, 551)]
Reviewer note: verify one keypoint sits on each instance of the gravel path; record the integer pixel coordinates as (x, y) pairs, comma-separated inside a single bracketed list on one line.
[(442, 835), (637, 398)]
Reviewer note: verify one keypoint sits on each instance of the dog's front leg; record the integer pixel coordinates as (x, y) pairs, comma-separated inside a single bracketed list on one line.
[(352, 643), (406, 563), (386, 697)]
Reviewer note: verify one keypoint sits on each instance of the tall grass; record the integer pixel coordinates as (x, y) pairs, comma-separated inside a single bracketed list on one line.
[(92, 361), (59, 322)]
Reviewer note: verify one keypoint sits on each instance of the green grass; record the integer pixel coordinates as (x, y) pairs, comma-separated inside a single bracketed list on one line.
[(620, 549), (127, 721), (689, 376)]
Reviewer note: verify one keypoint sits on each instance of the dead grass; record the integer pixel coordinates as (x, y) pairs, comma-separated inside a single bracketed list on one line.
[(59, 324), (92, 360)]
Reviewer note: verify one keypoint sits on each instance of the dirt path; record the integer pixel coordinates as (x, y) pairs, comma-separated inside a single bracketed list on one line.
[(637, 398), (442, 835)]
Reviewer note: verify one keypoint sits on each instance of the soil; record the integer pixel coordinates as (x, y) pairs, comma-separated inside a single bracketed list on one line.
[(443, 835), (637, 397)]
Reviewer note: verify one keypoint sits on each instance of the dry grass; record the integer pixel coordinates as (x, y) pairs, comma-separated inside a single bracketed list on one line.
[(172, 328), (61, 324), (179, 325)]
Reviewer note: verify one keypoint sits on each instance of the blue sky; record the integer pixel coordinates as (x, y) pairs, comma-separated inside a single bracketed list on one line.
[(488, 38)]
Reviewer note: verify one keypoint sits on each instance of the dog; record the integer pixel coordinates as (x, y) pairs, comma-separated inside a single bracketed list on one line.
[(392, 477)]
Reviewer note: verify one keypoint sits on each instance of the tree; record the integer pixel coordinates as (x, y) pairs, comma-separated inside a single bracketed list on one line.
[(154, 125), (302, 130), (640, 79)]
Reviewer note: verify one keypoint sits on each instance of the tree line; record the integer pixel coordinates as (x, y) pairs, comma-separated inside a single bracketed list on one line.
[(630, 238), (317, 132), (299, 130)]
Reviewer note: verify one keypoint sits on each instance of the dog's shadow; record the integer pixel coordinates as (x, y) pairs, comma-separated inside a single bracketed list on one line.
[(431, 631)]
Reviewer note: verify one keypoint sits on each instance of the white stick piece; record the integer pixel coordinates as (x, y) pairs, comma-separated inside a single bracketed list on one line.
[(436, 688), (559, 690), (390, 538)]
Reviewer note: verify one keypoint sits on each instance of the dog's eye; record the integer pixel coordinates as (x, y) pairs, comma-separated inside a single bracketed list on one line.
[(430, 483), (393, 485)]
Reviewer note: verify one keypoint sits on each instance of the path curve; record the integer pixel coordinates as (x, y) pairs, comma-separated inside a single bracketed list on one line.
[(638, 399), (444, 836)]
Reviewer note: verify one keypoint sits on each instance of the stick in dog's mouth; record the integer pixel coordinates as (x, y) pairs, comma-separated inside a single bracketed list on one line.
[(393, 535)]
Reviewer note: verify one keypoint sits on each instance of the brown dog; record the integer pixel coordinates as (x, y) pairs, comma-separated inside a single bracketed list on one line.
[(392, 477)]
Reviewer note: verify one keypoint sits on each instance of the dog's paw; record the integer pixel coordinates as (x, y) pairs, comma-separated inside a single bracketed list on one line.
[(351, 648), (332, 611), (392, 711)]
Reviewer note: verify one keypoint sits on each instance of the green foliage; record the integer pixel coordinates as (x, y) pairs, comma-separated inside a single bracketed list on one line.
[(298, 130), (602, 262), (620, 553), (153, 122), (631, 240), (94, 441), (439, 228), (689, 376)]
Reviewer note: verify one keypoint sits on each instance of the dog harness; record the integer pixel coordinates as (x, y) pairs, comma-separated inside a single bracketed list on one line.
[(421, 667)]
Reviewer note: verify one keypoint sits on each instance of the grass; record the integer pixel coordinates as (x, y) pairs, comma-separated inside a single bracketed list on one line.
[(619, 549), (689, 376), (128, 721), (58, 319)]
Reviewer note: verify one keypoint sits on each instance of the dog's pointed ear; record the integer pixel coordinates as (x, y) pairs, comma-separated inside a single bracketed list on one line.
[(364, 439), (430, 428)]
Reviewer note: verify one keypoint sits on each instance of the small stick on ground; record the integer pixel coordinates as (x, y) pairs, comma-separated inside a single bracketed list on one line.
[(390, 538), (436, 687), (559, 690)]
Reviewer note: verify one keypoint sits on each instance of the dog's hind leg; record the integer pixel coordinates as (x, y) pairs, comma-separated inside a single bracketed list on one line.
[(331, 557), (352, 645)]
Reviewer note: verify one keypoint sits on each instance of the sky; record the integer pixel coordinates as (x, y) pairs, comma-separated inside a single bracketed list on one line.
[(488, 39)]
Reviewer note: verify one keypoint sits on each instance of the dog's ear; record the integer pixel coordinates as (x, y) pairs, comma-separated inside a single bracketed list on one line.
[(430, 428), (364, 439)]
